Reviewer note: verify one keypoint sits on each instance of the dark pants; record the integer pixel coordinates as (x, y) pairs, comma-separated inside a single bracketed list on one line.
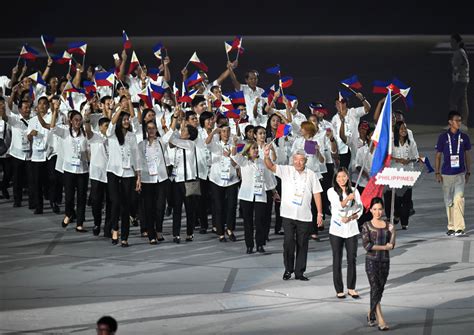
[(205, 203), (6, 164), (22, 176), (154, 204), (296, 236), (326, 184), (40, 182), (225, 206), (55, 181), (278, 219), (402, 205), (76, 183), (345, 159), (249, 209), (98, 193), (314, 224), (268, 215), (190, 205), (337, 245), (377, 273), (120, 190)]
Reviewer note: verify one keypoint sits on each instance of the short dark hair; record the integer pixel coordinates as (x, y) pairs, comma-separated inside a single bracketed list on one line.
[(43, 98), (247, 74), (109, 321), (193, 132), (103, 120), (104, 98), (205, 116), (188, 114), (452, 114), (197, 100)]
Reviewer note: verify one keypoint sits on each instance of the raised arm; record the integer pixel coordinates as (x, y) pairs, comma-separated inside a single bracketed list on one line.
[(166, 69), (268, 162), (233, 78), (378, 109), (45, 73)]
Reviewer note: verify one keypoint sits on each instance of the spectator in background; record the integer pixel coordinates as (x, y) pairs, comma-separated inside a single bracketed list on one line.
[(460, 78)]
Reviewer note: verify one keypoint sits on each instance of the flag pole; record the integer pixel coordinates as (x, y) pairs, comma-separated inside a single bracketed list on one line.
[(18, 60), (69, 68), (392, 207), (238, 49), (83, 60), (363, 165), (226, 53)]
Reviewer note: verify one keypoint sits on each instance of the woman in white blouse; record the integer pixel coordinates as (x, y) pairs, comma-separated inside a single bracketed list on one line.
[(346, 207), (404, 155), (155, 182), (224, 181), (123, 173), (74, 165), (252, 195)]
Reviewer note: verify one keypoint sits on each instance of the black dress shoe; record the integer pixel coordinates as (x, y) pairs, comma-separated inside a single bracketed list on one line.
[(176, 239), (96, 230), (124, 244), (80, 229), (114, 242), (161, 238), (250, 250), (287, 275), (222, 239), (54, 207), (64, 224), (260, 249), (231, 235), (202, 231), (153, 241), (38, 211), (279, 233), (189, 238), (303, 278)]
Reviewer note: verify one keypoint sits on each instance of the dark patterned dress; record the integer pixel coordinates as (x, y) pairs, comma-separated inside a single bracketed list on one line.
[(377, 262)]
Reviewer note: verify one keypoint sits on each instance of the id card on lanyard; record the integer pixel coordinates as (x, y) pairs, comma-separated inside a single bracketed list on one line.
[(300, 185), (258, 180), (454, 157), (25, 144), (76, 152), (225, 168), (125, 150)]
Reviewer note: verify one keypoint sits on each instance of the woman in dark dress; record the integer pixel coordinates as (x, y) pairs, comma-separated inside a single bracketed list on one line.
[(378, 237)]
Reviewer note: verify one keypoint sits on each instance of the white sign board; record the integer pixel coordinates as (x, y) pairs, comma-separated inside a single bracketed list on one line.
[(396, 178)]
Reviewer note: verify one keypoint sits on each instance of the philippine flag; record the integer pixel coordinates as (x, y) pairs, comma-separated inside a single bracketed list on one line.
[(286, 82), (134, 62), (28, 53), (188, 96), (146, 98), (48, 41), (352, 82), (237, 97), (233, 114), (193, 80), (79, 48), (157, 50), (274, 70), (283, 130), (127, 44), (382, 140), (197, 62), (104, 79), (37, 78), (62, 58), (157, 91)]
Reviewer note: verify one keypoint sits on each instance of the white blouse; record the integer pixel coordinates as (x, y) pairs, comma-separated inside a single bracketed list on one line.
[(20, 147), (74, 150), (99, 157), (182, 146), (123, 159), (405, 151), (154, 161), (255, 179), (337, 227), (223, 173), (39, 145)]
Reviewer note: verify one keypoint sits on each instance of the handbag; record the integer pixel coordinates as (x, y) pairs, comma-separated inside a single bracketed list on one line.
[(192, 187)]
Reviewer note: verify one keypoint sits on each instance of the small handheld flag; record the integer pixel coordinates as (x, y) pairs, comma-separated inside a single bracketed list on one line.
[(274, 70), (352, 82), (62, 58), (127, 44), (37, 78), (157, 50), (283, 130), (78, 48), (198, 63), (104, 78), (28, 53)]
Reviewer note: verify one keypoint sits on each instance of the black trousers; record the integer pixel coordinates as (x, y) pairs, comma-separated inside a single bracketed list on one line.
[(154, 204), (296, 237), (337, 245), (326, 184), (345, 159), (190, 205), (6, 164), (403, 205), (40, 182), (268, 216), (313, 230), (205, 203), (98, 193), (22, 176), (249, 209), (278, 219), (225, 206), (76, 183), (55, 181), (120, 190)]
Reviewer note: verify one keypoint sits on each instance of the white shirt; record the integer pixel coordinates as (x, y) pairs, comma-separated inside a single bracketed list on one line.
[(40, 141), (337, 227), (20, 147), (356, 145), (342, 147), (183, 147), (405, 151), (222, 173), (99, 157), (4, 84), (297, 192), (255, 179), (203, 154), (323, 126), (296, 121), (250, 96), (325, 147), (272, 183), (74, 150), (123, 159), (154, 160), (363, 159)]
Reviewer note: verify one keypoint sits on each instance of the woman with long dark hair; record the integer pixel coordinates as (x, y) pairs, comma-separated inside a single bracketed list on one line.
[(74, 165), (378, 237), (346, 208), (123, 173)]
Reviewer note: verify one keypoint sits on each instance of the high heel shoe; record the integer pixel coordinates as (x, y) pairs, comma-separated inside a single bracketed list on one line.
[(250, 250), (64, 224), (114, 237), (383, 328), (231, 235), (159, 237), (153, 241), (176, 239), (80, 229), (222, 239), (370, 323), (124, 244), (189, 238)]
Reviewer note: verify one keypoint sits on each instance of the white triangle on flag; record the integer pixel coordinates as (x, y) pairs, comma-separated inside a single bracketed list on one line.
[(404, 92)]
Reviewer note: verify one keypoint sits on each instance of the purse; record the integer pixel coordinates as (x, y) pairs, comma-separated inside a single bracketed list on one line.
[(192, 187)]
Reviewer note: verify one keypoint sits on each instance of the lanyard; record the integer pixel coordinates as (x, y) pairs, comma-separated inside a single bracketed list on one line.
[(450, 145)]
